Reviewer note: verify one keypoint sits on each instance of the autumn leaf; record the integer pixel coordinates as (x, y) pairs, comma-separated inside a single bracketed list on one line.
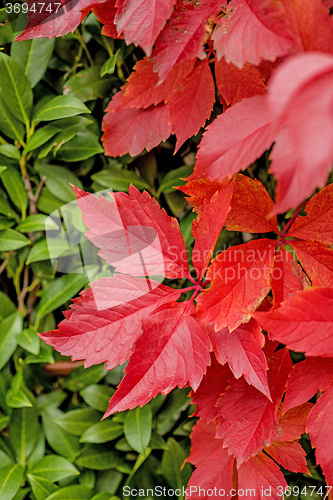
[(287, 277)]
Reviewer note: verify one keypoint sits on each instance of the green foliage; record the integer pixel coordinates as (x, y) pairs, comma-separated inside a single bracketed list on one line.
[(53, 441)]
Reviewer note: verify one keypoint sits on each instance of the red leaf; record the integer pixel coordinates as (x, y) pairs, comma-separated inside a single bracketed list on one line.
[(135, 234), (261, 474), (141, 21), (200, 190), (304, 322), (318, 222), (215, 465), (235, 84), (163, 359), (207, 227), (240, 280), (106, 13), (317, 261), (192, 102), (184, 35), (242, 350), (290, 455), (50, 21), (300, 93), (287, 277), (143, 88), (212, 386), (320, 428), (241, 37), (251, 208), (293, 422), (306, 378), (133, 130), (234, 140), (248, 420), (106, 320)]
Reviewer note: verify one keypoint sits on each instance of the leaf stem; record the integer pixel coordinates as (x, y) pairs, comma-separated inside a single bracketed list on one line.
[(295, 215)]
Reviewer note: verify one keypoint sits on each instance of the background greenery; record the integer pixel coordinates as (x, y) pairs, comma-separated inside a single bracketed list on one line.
[(53, 444)]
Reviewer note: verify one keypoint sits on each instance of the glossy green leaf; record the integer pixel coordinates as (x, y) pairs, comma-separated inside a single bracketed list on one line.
[(47, 202), (12, 240), (119, 180), (15, 88), (60, 291), (61, 106), (4, 421), (40, 137), (110, 65), (171, 466), (18, 399), (98, 457), (76, 492), (23, 431), (9, 328), (34, 56), (5, 223), (29, 340), (42, 488), (84, 145), (54, 468), (7, 306), (88, 84), (175, 404), (77, 421), (2, 169), (102, 432), (62, 442), (41, 250), (5, 207), (10, 480), (35, 223), (15, 188), (58, 180), (9, 124), (174, 178), (137, 428), (157, 442), (97, 396), (82, 377), (10, 151)]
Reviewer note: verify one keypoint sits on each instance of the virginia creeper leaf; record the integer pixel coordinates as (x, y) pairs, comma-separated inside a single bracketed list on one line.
[(317, 261), (287, 277), (290, 455), (263, 475), (106, 13)]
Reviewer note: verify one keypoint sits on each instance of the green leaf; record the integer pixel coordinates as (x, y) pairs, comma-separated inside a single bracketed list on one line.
[(2, 169), (174, 178), (61, 106), (98, 457), (76, 492), (176, 403), (41, 488), (47, 202), (7, 307), (34, 56), (81, 377), (97, 396), (61, 441), (102, 432), (60, 291), (4, 421), (9, 328), (5, 223), (41, 250), (12, 240), (14, 185), (84, 145), (77, 421), (171, 465), (29, 340), (10, 480), (88, 84), (40, 137), (137, 428), (10, 125), (157, 442), (5, 207), (15, 88), (10, 151), (58, 180), (54, 468), (119, 180), (110, 65), (17, 399), (23, 431), (4, 458), (35, 223)]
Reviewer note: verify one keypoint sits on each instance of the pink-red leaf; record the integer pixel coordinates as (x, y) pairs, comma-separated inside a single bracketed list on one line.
[(317, 224), (172, 351), (234, 140), (192, 102), (240, 280), (141, 21), (293, 422), (242, 350), (106, 13), (135, 234), (261, 474), (287, 277), (103, 324), (290, 455), (207, 227), (317, 261), (304, 322)]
